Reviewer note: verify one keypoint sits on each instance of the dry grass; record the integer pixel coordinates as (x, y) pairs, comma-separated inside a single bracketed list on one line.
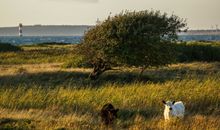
[(51, 119), (32, 98)]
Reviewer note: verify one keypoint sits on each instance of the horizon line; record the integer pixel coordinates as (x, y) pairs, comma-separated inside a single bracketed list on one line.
[(48, 25), (81, 25)]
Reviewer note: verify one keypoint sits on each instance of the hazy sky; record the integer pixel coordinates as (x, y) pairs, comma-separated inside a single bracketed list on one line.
[(200, 14)]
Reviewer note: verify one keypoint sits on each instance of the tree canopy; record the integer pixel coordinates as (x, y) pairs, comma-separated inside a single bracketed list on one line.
[(140, 39)]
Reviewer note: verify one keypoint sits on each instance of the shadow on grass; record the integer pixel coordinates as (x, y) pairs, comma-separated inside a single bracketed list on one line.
[(127, 114), (80, 79), (64, 79), (18, 124)]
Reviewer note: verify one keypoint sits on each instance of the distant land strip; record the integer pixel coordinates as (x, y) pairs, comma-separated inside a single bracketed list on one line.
[(74, 30)]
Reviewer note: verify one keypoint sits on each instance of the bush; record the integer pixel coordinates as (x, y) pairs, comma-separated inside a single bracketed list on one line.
[(197, 51), (5, 47)]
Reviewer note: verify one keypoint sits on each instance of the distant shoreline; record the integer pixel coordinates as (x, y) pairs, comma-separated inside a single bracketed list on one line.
[(74, 30), (74, 34), (16, 40), (46, 30)]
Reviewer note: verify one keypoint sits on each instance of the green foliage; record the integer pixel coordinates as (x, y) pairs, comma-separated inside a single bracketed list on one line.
[(5, 47), (196, 51), (140, 39)]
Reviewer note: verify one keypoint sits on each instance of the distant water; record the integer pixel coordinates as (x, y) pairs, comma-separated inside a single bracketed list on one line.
[(76, 39), (199, 37), (39, 39)]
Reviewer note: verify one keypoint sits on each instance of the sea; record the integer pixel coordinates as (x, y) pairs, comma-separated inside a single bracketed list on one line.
[(16, 40)]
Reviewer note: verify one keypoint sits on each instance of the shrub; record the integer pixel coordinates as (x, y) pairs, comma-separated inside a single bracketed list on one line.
[(197, 51), (5, 47)]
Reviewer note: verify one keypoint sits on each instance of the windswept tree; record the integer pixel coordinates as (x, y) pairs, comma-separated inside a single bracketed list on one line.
[(141, 39)]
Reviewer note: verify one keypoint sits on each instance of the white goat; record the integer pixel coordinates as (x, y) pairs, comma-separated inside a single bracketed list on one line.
[(173, 109)]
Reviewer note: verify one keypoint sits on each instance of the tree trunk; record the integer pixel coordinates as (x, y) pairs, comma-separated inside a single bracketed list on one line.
[(141, 72), (99, 67)]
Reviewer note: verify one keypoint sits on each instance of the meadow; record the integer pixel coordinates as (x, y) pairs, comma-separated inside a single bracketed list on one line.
[(38, 92)]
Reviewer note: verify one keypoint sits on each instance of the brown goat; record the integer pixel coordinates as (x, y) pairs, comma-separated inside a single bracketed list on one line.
[(108, 114)]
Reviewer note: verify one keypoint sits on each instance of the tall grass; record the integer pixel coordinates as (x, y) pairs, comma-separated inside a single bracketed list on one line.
[(199, 96), (139, 103), (48, 96)]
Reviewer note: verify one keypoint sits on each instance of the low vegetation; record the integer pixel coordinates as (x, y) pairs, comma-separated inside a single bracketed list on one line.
[(35, 54), (50, 53), (198, 51)]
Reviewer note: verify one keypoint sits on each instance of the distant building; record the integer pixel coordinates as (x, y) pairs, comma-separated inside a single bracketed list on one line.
[(20, 29)]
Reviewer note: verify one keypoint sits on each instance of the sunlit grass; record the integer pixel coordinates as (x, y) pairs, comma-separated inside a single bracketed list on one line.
[(39, 105), (138, 96), (36, 92)]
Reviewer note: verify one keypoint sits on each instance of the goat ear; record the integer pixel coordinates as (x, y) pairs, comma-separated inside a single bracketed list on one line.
[(173, 102), (163, 102)]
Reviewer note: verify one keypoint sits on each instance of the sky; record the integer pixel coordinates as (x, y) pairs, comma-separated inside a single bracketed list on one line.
[(200, 14)]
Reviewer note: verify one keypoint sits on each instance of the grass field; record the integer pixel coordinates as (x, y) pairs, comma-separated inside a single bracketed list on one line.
[(35, 54), (38, 93)]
